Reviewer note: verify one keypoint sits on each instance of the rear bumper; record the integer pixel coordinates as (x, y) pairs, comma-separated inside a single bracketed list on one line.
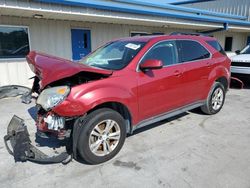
[(19, 145)]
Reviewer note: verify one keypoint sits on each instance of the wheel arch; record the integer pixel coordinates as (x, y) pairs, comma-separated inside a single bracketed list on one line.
[(223, 80), (220, 74), (122, 109)]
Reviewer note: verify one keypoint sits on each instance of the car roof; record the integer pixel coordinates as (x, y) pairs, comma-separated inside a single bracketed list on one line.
[(164, 37)]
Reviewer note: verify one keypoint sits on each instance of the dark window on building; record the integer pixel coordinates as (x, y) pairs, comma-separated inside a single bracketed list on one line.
[(158, 33), (228, 43), (248, 40), (134, 33), (14, 42), (216, 45), (191, 51), (164, 51)]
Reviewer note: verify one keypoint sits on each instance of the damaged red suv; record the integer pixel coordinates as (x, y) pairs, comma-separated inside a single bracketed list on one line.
[(124, 85)]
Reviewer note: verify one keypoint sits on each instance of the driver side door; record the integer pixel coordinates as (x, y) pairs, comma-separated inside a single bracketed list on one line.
[(160, 90)]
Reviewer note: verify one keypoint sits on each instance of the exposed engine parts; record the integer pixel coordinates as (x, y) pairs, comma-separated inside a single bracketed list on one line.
[(55, 122)]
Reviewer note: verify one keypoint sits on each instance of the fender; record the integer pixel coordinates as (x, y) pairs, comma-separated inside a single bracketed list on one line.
[(81, 100), (216, 73)]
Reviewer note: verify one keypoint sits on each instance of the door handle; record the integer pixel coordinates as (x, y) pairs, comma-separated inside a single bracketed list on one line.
[(177, 73)]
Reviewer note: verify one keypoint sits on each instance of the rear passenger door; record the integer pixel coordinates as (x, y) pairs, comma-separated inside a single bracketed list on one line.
[(196, 63)]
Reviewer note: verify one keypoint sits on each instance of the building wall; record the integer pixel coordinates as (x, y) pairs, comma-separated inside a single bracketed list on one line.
[(239, 39)]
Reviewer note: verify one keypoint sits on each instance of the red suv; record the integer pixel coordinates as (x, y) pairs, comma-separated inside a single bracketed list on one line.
[(124, 85)]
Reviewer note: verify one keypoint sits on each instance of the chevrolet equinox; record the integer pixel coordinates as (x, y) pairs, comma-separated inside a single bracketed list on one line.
[(124, 85)]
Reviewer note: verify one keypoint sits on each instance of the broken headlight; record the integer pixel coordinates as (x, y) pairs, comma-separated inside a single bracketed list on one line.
[(51, 97)]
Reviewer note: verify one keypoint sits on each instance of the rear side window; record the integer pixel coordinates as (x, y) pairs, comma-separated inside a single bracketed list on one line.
[(191, 51), (216, 45)]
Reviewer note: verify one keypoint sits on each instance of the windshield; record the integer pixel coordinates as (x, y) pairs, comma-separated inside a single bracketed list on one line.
[(114, 56), (246, 50)]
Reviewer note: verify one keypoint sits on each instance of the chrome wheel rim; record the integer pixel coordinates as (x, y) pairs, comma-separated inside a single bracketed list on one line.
[(104, 138), (217, 99)]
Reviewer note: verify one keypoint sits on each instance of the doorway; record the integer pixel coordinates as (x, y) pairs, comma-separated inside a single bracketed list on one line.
[(81, 43)]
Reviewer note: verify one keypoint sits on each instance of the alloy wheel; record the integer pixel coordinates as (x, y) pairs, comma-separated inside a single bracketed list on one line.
[(217, 99), (104, 138)]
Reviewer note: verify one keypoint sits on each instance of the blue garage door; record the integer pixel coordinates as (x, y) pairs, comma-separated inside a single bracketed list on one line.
[(81, 43)]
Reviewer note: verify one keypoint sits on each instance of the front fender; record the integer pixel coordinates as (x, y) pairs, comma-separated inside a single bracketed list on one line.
[(81, 99)]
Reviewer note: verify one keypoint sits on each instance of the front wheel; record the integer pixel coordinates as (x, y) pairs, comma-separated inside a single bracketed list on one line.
[(215, 99), (102, 136)]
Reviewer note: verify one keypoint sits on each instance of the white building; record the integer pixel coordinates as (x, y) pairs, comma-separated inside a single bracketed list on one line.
[(72, 28)]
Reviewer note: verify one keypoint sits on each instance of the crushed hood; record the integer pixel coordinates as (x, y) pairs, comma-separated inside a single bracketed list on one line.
[(50, 69)]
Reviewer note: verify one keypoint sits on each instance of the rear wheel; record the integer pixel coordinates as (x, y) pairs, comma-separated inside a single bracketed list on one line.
[(215, 99), (102, 136)]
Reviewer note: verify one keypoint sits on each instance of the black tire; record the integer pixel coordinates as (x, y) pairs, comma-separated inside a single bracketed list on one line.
[(92, 120), (208, 107)]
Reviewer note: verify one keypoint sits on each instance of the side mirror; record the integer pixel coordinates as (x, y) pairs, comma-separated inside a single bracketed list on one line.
[(237, 52), (151, 64)]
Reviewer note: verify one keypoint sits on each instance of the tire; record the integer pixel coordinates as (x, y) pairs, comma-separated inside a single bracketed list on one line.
[(214, 98), (97, 145)]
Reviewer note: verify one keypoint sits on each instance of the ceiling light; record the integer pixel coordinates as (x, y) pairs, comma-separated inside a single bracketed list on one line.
[(38, 16)]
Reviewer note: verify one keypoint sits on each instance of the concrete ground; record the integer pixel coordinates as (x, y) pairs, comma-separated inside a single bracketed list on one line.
[(193, 150)]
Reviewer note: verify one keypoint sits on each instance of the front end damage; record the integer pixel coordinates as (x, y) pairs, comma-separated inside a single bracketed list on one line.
[(19, 145), (53, 84), (50, 128), (51, 124)]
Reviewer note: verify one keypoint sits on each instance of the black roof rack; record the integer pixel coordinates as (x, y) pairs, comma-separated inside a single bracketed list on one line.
[(194, 34)]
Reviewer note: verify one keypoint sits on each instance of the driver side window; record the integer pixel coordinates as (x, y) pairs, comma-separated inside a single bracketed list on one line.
[(164, 51)]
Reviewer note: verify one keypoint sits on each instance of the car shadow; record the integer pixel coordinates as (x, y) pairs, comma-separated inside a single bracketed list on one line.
[(197, 111), (51, 141), (33, 112), (247, 85), (41, 139), (237, 84), (157, 124)]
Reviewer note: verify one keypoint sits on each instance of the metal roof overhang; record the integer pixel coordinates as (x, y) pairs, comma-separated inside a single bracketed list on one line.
[(134, 15), (163, 5), (139, 7)]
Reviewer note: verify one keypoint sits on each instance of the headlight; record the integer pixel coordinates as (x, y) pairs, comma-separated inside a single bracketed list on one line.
[(51, 97)]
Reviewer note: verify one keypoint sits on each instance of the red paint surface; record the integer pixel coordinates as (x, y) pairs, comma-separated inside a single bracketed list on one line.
[(50, 68), (145, 94)]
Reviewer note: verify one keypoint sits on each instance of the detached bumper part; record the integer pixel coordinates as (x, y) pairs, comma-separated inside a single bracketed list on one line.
[(26, 98), (18, 138)]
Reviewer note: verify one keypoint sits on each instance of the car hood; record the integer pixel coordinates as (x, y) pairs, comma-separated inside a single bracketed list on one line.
[(50, 69), (241, 58)]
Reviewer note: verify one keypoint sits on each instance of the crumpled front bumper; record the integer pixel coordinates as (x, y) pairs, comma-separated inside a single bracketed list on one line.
[(19, 145)]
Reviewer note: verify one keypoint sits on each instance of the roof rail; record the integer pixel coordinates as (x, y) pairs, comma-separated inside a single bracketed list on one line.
[(186, 33)]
